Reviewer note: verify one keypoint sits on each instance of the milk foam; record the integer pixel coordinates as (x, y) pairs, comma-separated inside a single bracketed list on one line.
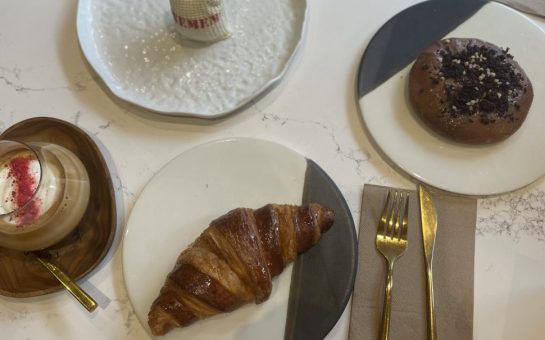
[(8, 182), (62, 200), (46, 196)]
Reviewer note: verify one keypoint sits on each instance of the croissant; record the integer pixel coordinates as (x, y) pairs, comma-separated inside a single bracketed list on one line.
[(233, 261)]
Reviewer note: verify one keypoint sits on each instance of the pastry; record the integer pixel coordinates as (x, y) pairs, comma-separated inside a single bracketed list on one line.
[(469, 91), (233, 261)]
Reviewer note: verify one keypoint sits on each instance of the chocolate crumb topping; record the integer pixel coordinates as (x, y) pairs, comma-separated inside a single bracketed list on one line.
[(480, 81), (473, 91)]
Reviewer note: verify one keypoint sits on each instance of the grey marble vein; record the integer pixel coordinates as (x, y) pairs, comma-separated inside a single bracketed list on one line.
[(514, 215), (353, 155)]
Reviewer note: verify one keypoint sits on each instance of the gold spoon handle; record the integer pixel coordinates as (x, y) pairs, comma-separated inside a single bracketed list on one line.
[(70, 285)]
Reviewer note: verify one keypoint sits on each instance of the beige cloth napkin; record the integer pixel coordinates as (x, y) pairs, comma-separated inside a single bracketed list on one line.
[(536, 7), (452, 268)]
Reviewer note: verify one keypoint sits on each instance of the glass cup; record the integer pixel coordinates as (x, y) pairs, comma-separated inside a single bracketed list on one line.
[(44, 193)]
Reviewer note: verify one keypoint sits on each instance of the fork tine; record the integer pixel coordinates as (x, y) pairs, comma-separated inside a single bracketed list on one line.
[(396, 217), (391, 217), (395, 213), (398, 211), (405, 222), (389, 223), (382, 225)]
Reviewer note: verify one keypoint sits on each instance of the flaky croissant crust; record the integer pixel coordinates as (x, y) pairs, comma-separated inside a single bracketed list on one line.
[(233, 261)]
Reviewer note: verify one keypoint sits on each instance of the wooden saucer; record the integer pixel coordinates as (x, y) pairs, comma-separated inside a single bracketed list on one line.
[(81, 251)]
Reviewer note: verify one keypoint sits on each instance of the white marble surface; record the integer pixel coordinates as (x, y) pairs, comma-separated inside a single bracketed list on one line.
[(313, 110)]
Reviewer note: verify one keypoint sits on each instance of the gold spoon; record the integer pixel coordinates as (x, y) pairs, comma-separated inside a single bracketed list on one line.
[(71, 286)]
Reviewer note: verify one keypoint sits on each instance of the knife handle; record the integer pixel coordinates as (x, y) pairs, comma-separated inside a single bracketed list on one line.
[(432, 330)]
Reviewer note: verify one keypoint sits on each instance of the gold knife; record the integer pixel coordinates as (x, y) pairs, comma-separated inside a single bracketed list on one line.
[(428, 215)]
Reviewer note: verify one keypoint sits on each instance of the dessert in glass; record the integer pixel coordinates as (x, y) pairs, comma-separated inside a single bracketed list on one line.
[(44, 193)]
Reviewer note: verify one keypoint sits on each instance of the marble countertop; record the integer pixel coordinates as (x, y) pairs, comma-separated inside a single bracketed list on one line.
[(43, 73)]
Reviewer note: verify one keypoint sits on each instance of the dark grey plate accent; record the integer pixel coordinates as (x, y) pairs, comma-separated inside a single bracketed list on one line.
[(323, 278), (399, 41)]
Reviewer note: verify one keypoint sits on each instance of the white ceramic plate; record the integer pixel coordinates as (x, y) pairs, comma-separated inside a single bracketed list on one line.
[(204, 183), (481, 170), (135, 49)]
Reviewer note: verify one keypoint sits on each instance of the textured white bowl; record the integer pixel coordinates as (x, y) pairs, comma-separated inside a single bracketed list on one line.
[(135, 48)]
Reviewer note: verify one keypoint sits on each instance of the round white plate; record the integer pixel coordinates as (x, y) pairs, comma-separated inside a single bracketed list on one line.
[(470, 170), (197, 187), (135, 49)]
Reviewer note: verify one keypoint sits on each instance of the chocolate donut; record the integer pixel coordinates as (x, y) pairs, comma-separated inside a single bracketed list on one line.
[(469, 91)]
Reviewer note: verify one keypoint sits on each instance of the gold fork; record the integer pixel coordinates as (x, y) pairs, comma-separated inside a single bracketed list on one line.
[(391, 242)]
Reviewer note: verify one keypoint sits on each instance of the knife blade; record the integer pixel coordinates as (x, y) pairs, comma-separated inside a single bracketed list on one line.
[(428, 215)]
